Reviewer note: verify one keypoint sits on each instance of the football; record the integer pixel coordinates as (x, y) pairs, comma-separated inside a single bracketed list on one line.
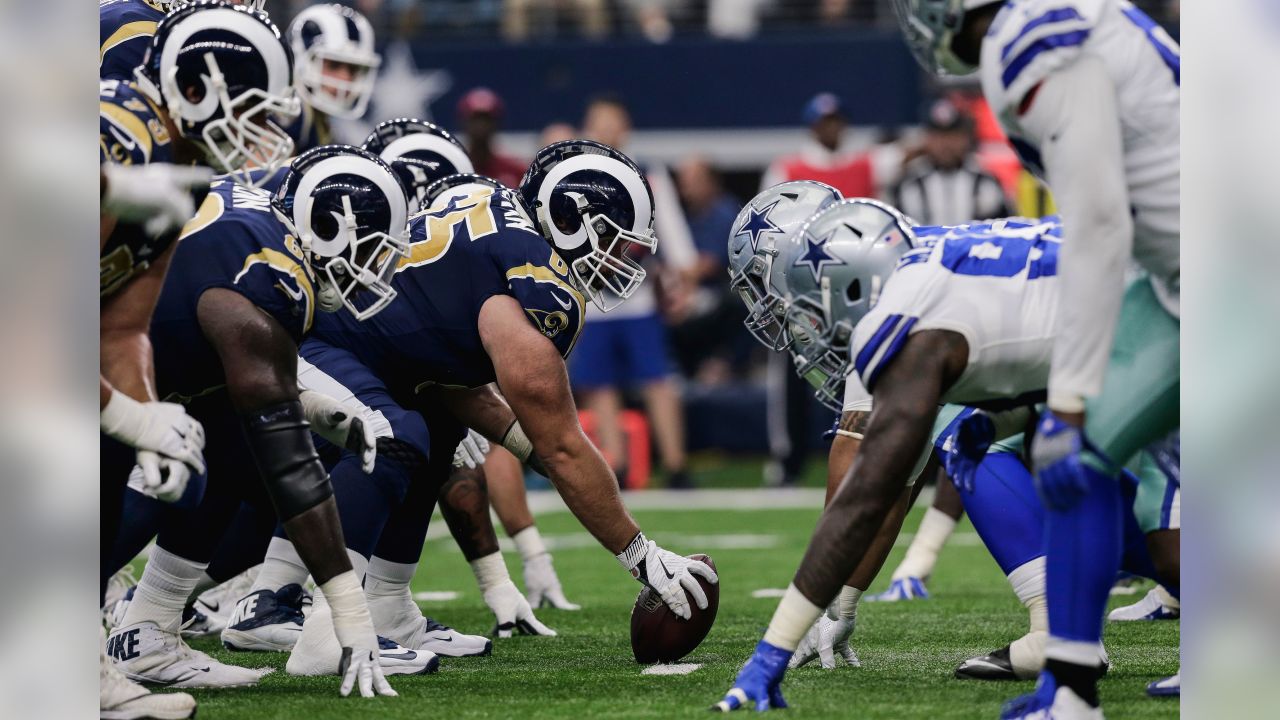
[(658, 635)]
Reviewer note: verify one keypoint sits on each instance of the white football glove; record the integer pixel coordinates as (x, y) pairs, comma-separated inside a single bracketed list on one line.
[(162, 428), (513, 612), (824, 641), (341, 426), (543, 585), (362, 667), (160, 477), (471, 451), (158, 195), (671, 575)]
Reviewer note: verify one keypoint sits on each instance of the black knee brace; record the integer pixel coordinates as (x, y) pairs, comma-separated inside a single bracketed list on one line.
[(281, 443)]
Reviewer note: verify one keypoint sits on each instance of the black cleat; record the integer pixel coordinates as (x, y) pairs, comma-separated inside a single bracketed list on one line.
[(996, 666)]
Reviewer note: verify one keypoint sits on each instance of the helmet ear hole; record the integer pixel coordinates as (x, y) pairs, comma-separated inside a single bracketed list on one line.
[(853, 293)]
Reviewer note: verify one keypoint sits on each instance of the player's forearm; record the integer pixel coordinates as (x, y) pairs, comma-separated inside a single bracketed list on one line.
[(124, 358), (1075, 117), (844, 449), (589, 488)]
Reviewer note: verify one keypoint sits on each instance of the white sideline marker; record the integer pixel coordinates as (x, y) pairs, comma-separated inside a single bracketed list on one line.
[(768, 593), (673, 669), (435, 596)]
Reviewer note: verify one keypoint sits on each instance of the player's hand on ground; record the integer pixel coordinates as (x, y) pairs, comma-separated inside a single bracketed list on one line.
[(158, 195), (825, 641), (361, 668), (669, 574), (543, 585), (471, 451), (759, 682), (512, 612), (965, 445), (1057, 457), (341, 426)]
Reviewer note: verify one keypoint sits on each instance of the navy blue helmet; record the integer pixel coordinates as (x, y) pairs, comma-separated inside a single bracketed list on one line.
[(350, 214), (446, 184), (225, 77), (325, 37), (420, 153), (592, 204)]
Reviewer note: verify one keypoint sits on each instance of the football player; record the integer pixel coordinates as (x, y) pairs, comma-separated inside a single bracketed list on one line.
[(245, 283), (336, 65), (1088, 93), (125, 30), (920, 340), (490, 297)]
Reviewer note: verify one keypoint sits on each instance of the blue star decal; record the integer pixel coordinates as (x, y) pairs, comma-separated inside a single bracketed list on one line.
[(758, 223), (816, 256)]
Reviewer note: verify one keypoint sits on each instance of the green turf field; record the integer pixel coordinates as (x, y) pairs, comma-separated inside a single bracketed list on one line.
[(908, 650)]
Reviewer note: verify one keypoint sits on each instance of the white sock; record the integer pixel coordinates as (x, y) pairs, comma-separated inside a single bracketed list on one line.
[(932, 534), (391, 605), (1028, 584), (490, 571), (846, 603), (351, 622), (282, 566), (529, 542), (793, 618), (166, 585), (204, 583)]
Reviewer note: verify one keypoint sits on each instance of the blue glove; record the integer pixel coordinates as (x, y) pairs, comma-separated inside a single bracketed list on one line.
[(1056, 457), (758, 681), (968, 438)]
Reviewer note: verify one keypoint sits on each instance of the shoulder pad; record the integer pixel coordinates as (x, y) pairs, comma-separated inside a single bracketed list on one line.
[(1029, 40)]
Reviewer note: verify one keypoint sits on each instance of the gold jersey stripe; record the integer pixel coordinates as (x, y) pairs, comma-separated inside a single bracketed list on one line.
[(127, 31), (288, 264), (128, 122)]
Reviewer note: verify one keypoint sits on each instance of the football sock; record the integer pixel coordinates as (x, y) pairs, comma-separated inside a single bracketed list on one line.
[(162, 593), (793, 618), (1083, 547), (1082, 679), (922, 555), (282, 566), (846, 604), (1006, 512), (391, 605), (529, 542), (1026, 654)]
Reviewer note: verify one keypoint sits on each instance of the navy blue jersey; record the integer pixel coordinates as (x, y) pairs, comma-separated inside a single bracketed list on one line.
[(130, 132), (125, 28), (473, 244), (233, 242), (309, 130)]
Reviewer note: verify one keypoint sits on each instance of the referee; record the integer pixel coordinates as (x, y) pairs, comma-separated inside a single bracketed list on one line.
[(944, 185)]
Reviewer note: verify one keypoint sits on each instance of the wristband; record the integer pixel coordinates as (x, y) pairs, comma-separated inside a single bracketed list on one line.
[(122, 417), (517, 442), (632, 557)]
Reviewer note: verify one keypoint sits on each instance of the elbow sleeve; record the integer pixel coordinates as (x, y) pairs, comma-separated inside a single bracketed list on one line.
[(280, 440)]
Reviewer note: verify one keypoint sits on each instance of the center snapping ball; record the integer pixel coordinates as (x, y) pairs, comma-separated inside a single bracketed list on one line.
[(658, 635)]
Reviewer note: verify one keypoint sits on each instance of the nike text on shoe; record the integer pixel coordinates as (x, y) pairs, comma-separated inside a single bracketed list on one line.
[(445, 641), (146, 653), (268, 621)]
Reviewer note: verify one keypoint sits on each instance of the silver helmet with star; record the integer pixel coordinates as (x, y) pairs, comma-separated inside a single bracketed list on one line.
[(771, 218), (837, 264)]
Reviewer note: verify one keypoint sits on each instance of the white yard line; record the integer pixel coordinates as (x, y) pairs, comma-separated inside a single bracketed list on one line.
[(674, 669)]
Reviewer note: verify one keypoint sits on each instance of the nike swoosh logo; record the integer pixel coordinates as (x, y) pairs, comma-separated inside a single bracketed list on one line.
[(406, 655), (211, 605), (665, 570), (128, 142), (562, 303)]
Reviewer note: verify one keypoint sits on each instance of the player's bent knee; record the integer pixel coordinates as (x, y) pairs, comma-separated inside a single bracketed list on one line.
[(287, 459)]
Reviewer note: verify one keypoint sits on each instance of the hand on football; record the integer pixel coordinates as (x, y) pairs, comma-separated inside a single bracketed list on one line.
[(471, 451), (543, 585), (672, 576), (361, 667), (512, 612)]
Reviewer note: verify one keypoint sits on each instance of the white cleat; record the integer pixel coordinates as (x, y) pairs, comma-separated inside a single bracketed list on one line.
[(119, 698), (1157, 604), (117, 586), (266, 621), (220, 601), (146, 653), (1166, 687), (317, 651), (195, 623), (398, 618), (447, 642)]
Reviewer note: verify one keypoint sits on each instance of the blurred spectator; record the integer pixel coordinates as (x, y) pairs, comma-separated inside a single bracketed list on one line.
[(945, 185), (708, 341), (653, 18), (522, 19), (628, 346), (854, 173), (480, 115), (824, 156), (557, 132)]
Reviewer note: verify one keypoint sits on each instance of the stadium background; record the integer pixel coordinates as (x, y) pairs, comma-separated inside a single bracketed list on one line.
[(722, 84)]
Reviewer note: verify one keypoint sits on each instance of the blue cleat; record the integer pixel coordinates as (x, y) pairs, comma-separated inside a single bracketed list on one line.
[(1168, 687), (1049, 702), (759, 681), (907, 588)]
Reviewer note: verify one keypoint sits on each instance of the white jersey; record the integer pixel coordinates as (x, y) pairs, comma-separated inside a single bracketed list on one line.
[(994, 283), (1031, 39)]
